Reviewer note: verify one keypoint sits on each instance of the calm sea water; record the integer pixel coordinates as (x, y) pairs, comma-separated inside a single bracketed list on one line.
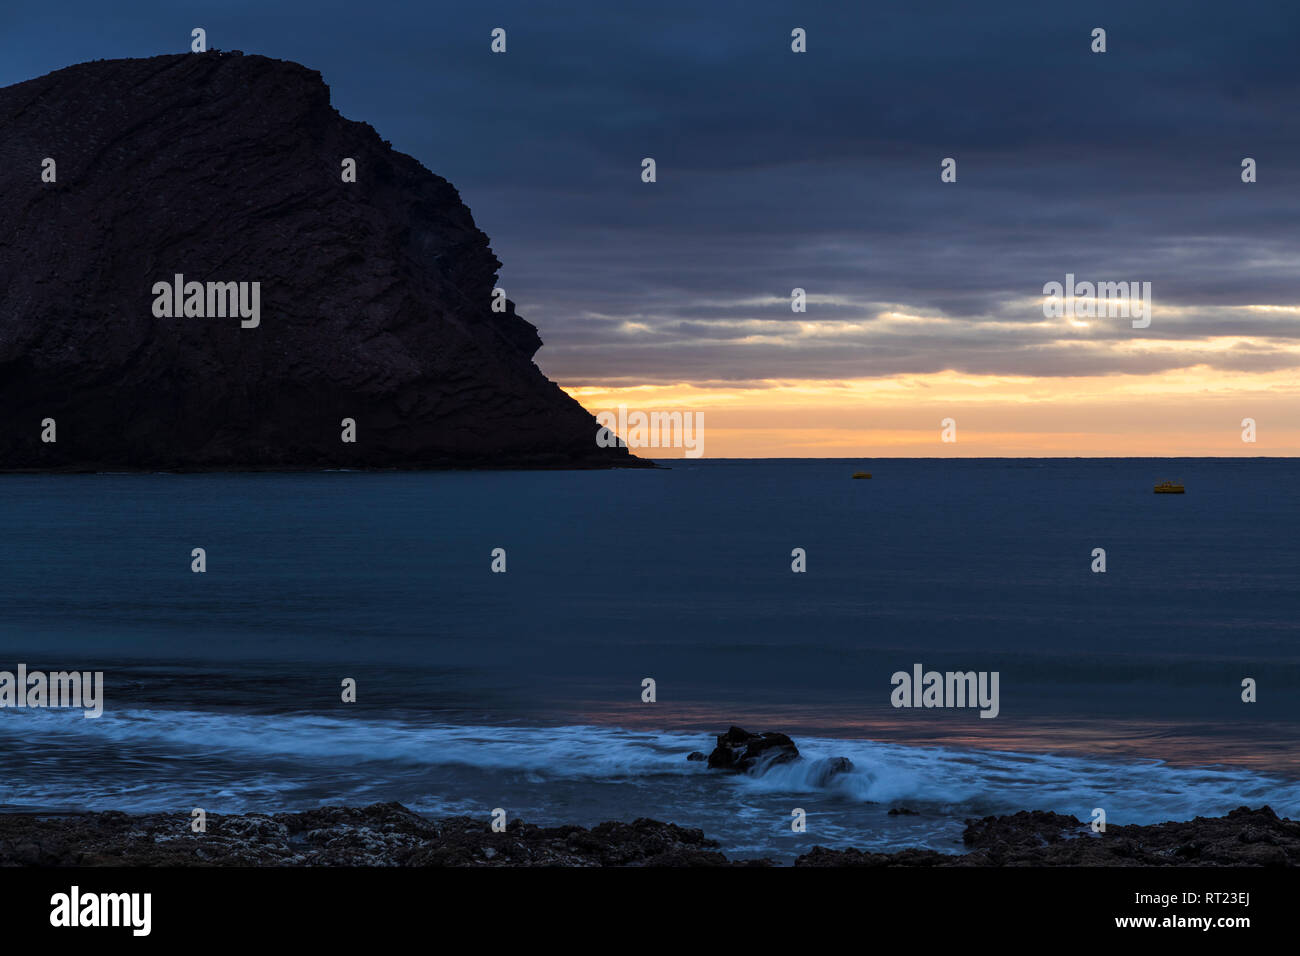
[(523, 690)]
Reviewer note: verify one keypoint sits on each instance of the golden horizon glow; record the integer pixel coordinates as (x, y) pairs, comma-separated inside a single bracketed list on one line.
[(1195, 409), (1190, 412)]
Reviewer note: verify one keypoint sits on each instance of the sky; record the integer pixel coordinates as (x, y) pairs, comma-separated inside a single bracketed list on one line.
[(820, 170)]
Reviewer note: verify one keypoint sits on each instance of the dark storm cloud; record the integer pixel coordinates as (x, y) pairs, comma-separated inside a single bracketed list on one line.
[(819, 170)]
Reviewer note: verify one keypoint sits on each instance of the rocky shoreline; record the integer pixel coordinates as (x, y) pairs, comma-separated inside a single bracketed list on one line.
[(388, 834)]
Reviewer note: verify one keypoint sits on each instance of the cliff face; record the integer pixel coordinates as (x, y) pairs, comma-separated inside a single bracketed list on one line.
[(374, 296)]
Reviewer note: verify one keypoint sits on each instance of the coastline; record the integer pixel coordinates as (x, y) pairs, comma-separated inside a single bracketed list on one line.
[(390, 835)]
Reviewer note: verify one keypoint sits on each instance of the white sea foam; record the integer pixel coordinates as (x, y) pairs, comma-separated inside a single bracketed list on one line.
[(934, 779)]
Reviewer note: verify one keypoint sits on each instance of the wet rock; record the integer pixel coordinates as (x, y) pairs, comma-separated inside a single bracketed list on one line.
[(1023, 829), (739, 750), (823, 772)]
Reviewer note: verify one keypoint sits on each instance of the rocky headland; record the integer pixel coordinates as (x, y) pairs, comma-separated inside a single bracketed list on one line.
[(204, 266)]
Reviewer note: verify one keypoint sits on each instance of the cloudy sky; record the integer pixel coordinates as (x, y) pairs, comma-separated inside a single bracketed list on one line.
[(821, 170)]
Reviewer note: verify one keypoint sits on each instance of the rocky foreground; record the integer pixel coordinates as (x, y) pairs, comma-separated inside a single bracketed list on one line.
[(388, 834)]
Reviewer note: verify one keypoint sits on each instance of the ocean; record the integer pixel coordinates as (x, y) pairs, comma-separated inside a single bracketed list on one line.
[(522, 690)]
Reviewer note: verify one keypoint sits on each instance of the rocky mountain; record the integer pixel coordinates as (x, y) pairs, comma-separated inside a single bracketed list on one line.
[(189, 281)]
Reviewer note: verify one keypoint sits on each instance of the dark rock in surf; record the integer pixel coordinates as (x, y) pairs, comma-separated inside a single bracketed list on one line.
[(825, 771), (741, 751), (375, 296)]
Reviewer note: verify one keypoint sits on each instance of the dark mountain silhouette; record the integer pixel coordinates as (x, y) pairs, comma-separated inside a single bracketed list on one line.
[(375, 295)]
